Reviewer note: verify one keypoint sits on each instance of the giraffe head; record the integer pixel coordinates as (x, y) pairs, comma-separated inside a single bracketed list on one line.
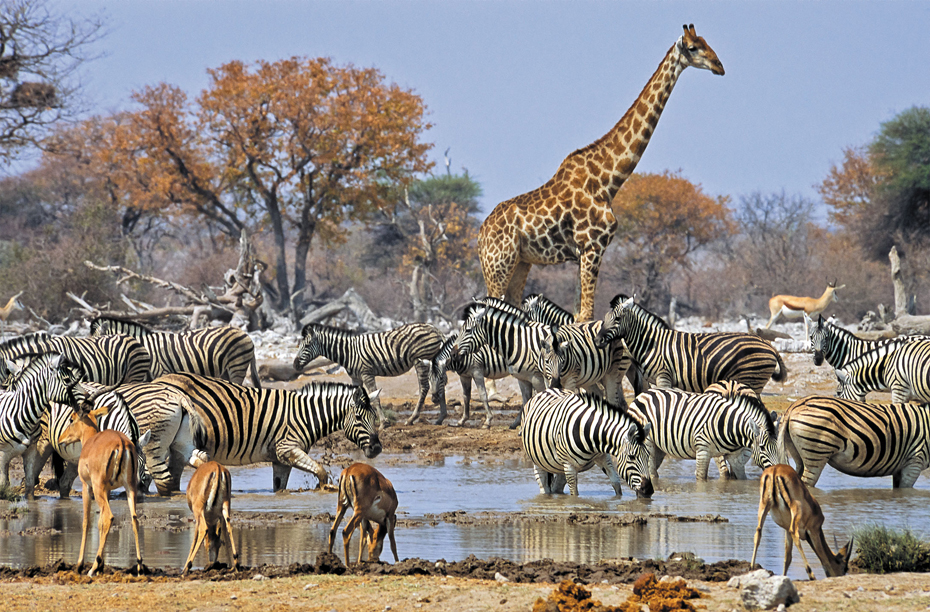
[(696, 52)]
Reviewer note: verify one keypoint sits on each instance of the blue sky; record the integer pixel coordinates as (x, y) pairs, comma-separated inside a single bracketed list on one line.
[(513, 87)]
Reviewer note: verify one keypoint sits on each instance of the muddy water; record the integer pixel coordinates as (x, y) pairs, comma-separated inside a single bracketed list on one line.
[(49, 529)]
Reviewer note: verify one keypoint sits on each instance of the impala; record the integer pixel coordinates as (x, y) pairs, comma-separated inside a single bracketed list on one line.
[(108, 461), (373, 500), (797, 512), (792, 306), (208, 495)]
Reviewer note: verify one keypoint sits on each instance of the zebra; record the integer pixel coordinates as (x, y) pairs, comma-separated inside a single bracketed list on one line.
[(908, 372), (507, 330), (483, 364), (365, 356), (54, 422), (856, 438), (839, 347), (46, 378), (194, 419), (723, 421), (580, 359), (222, 352), (690, 362), (565, 433), (107, 360), (867, 372)]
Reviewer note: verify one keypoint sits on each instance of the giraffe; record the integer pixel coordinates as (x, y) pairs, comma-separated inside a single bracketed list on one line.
[(570, 218)]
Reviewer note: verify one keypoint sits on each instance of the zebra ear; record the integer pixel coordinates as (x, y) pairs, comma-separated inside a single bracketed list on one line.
[(306, 330), (374, 394), (775, 417), (145, 438), (55, 361), (841, 376)]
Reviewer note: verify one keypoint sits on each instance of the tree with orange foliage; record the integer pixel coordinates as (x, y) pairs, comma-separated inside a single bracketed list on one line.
[(300, 146), (664, 218)]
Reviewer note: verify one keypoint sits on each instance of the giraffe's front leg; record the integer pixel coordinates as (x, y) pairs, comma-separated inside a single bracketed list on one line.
[(588, 268)]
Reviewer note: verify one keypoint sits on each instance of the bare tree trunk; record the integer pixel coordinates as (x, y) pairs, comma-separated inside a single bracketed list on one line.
[(897, 279)]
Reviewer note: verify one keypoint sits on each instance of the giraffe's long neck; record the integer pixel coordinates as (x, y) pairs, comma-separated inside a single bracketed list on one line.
[(619, 150)]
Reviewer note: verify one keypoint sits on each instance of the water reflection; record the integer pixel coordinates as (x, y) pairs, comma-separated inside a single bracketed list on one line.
[(498, 486)]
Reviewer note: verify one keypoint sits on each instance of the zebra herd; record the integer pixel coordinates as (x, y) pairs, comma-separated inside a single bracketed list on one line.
[(181, 399)]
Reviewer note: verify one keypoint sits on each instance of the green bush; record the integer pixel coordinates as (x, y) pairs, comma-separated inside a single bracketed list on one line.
[(882, 550)]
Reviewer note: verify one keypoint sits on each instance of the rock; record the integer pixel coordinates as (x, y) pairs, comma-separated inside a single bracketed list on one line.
[(768, 592), (759, 574), (500, 577)]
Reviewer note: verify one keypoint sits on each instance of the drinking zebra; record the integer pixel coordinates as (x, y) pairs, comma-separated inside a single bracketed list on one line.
[(690, 362), (46, 378), (867, 372), (483, 364), (196, 419), (722, 422), (856, 438), (839, 347), (57, 419), (565, 433), (221, 352), (109, 360), (366, 356)]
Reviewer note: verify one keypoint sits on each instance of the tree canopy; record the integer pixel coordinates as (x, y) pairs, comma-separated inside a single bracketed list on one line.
[(664, 218), (296, 146)]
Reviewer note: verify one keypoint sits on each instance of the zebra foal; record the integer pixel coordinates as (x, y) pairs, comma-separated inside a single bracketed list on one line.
[(722, 422), (690, 362), (856, 438), (221, 352), (565, 433), (366, 356)]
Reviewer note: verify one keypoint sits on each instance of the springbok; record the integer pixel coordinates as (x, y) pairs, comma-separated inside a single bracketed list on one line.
[(792, 306), (208, 495), (6, 310), (373, 500), (796, 511), (108, 461)]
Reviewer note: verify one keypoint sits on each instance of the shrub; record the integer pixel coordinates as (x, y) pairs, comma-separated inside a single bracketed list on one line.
[(882, 550)]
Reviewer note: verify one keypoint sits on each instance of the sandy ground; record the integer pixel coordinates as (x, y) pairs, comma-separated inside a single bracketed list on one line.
[(421, 585)]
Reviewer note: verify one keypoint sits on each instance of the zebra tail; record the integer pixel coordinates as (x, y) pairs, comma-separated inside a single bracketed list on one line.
[(195, 422), (253, 367), (781, 372), (784, 444)]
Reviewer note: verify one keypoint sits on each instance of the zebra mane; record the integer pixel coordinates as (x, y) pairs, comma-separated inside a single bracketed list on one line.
[(116, 325), (326, 329), (542, 309), (649, 318), (501, 305), (328, 388), (618, 299)]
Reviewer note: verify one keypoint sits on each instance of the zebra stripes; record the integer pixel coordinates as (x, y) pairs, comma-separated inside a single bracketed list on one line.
[(541, 309), (365, 356), (565, 433), (221, 352), (485, 363), (211, 419), (908, 372), (865, 373), (45, 379), (57, 419), (723, 421), (856, 438), (107, 360), (839, 347), (690, 362)]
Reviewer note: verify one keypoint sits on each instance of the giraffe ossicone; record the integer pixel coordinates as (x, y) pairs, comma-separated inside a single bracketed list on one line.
[(569, 218)]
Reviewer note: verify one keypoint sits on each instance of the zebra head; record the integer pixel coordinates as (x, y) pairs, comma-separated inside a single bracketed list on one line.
[(847, 385), (818, 338), (472, 334), (551, 358), (438, 367), (359, 425), (616, 321), (310, 346), (66, 387), (633, 458)]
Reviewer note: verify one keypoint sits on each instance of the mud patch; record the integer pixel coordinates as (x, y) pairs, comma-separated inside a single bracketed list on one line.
[(545, 570)]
